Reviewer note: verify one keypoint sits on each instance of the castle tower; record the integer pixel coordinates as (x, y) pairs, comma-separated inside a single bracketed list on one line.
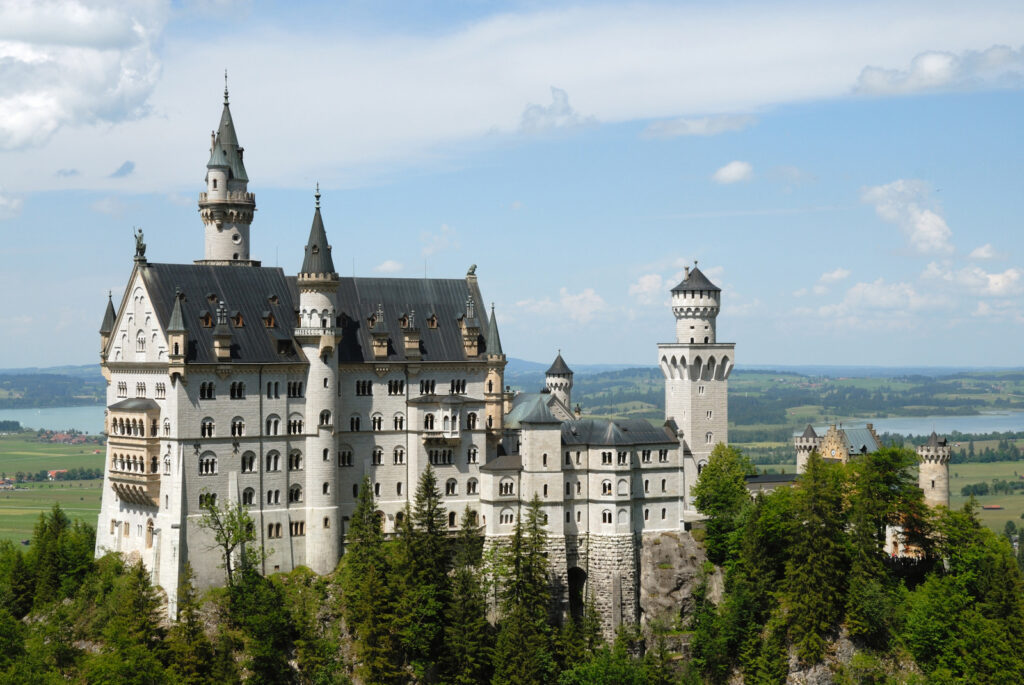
[(495, 384), (318, 336), (226, 207), (558, 381), (696, 368), (933, 470), (107, 327), (805, 444)]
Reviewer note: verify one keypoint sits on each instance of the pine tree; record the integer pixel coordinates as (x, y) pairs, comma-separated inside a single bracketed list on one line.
[(814, 590), (721, 494), (191, 653), (468, 636)]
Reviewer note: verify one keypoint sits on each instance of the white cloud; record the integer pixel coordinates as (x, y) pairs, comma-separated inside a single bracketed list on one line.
[(734, 172), (997, 67), (109, 205), (904, 203), (982, 282), (835, 275), (444, 239), (580, 307), (700, 126), (868, 299), (67, 62), (559, 114), (388, 266), (9, 206), (648, 289), (985, 251)]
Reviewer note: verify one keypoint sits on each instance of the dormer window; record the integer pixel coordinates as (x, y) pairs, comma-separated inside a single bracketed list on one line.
[(432, 321), (211, 298), (315, 249), (206, 319), (236, 320), (268, 319), (272, 299)]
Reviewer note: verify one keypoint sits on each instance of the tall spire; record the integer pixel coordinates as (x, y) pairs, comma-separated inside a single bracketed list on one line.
[(493, 339), (225, 86), (318, 253), (226, 152), (107, 327), (176, 324)]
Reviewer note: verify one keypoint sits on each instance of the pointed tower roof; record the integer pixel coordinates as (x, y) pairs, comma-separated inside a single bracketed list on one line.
[(559, 367), (809, 432), (107, 327), (695, 280), (493, 339), (225, 151), (935, 441), (318, 253), (176, 324)]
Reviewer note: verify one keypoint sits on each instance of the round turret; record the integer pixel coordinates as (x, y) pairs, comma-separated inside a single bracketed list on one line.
[(695, 304), (558, 381), (933, 470)]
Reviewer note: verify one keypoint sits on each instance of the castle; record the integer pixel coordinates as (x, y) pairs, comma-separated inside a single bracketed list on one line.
[(232, 382)]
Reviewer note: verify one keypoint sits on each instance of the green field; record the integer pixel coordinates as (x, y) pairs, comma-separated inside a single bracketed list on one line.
[(19, 509)]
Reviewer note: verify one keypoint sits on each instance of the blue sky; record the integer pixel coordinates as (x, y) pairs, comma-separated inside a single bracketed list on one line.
[(849, 173)]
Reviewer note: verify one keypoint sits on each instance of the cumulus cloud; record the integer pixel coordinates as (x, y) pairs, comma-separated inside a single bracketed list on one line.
[(648, 289), (66, 62), (700, 126), (835, 275), (985, 251), (388, 266), (905, 203), (579, 307), (878, 296), (734, 172), (124, 170), (445, 238), (997, 67), (974, 279), (9, 206), (559, 114)]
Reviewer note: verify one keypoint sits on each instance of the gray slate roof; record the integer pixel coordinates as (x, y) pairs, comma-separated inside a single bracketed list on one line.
[(617, 432), (539, 413), (860, 440), (109, 318), (696, 280), (177, 322), (493, 339), (318, 253), (246, 290), (225, 152), (809, 432), (559, 367), (135, 404), (506, 462), (935, 441)]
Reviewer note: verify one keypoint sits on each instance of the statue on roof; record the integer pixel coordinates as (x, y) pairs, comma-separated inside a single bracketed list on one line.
[(140, 245), (472, 270)]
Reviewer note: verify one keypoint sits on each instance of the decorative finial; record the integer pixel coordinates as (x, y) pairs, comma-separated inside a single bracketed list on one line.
[(110, 294), (695, 264), (225, 86), (317, 195)]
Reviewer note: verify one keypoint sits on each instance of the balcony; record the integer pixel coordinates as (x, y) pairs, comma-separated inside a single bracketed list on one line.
[(142, 489), (230, 196), (441, 437)]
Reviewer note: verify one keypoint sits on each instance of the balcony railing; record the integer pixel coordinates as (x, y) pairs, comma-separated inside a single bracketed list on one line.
[(137, 488)]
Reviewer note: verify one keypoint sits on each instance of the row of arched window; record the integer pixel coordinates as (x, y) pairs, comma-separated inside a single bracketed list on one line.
[(135, 428), (132, 463)]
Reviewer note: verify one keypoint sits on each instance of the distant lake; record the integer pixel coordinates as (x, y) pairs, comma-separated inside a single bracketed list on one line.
[(995, 422), (84, 419)]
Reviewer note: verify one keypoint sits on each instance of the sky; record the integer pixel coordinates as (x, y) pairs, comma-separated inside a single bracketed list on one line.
[(850, 174)]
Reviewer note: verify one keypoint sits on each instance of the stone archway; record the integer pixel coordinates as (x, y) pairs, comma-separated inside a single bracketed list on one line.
[(577, 592)]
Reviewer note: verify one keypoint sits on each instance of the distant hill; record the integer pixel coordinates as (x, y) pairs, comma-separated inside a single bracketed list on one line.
[(57, 386), (90, 371)]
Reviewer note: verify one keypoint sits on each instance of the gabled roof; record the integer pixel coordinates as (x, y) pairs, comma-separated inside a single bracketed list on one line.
[(107, 327), (318, 253), (695, 280), (559, 367), (618, 432), (860, 440), (539, 414), (493, 339)]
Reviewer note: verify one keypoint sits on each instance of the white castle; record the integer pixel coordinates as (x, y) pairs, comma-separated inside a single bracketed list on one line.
[(232, 382)]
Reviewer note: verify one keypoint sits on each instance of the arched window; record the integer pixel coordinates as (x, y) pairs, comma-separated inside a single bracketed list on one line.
[(327, 488), (295, 494), (353, 423), (399, 455), (606, 516), (376, 490), (471, 421), (623, 516), (507, 517), (206, 428), (207, 464), (378, 456), (167, 427), (606, 487), (451, 519), (623, 488), (451, 487), (506, 487), (149, 534), (428, 422), (295, 461), (445, 424), (237, 427), (273, 461), (664, 483), (399, 422), (377, 422), (273, 424), (248, 462), (248, 495), (140, 342), (471, 486), (325, 418)]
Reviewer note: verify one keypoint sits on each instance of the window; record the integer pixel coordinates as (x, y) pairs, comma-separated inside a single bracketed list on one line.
[(471, 486), (248, 495), (568, 490), (206, 428), (544, 459), (427, 387), (345, 458), (140, 389), (208, 464), (606, 516), (606, 458), (378, 456), (663, 456), (273, 425), (451, 487), (248, 462), (237, 391), (568, 459), (568, 517), (353, 423), (355, 490), (579, 487), (327, 454), (295, 494), (399, 422), (606, 487), (506, 487), (708, 437), (451, 519), (471, 455), (273, 530), (325, 418), (396, 387), (273, 461), (398, 488), (295, 461), (700, 467), (207, 499), (471, 421), (327, 522), (623, 458), (376, 489), (237, 427), (327, 488), (428, 422), (297, 528), (545, 490), (122, 389), (700, 389), (364, 388), (207, 391), (506, 517), (295, 427), (647, 486), (377, 422), (294, 389), (645, 456), (273, 496), (709, 414), (167, 427), (664, 485), (457, 387), (161, 391), (399, 455), (664, 513), (140, 342)]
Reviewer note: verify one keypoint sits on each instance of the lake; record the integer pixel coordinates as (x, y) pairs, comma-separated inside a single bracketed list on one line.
[(994, 422), (84, 419)]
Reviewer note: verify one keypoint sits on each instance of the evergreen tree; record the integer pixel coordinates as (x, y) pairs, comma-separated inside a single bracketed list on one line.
[(191, 652), (814, 590), (21, 587), (721, 494), (258, 608), (468, 636), (523, 653)]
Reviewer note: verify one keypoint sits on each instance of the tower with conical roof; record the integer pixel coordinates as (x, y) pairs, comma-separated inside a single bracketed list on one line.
[(226, 207), (933, 470), (558, 381), (107, 327), (318, 336), (494, 392), (696, 368)]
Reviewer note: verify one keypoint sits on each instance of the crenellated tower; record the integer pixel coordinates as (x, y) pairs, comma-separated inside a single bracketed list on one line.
[(933, 470), (697, 367), (226, 207), (318, 335), (558, 381), (805, 443)]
